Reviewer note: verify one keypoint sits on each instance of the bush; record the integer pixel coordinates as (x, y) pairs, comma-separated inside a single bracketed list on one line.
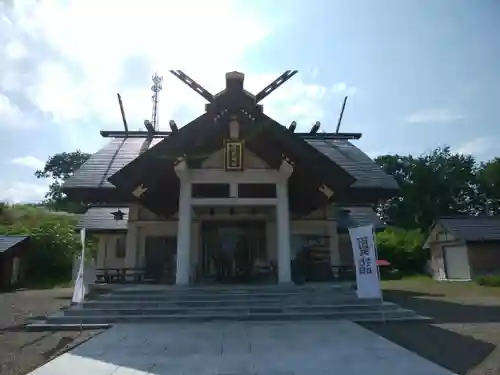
[(390, 274), (492, 280), (403, 249), (53, 242), (54, 246)]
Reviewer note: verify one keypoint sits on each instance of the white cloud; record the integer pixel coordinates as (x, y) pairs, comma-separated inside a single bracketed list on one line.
[(29, 161), (22, 192), (344, 89), (9, 112), (477, 146), (433, 115), (15, 50), (79, 82), (69, 59), (82, 85), (11, 116), (295, 100)]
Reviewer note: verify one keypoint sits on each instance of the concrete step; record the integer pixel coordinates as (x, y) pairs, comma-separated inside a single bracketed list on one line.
[(233, 289), (304, 299), (353, 315), (269, 303), (158, 303), (226, 294), (275, 308), (225, 297)]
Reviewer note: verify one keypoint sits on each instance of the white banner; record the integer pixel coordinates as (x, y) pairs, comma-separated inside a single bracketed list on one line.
[(365, 259), (79, 290)]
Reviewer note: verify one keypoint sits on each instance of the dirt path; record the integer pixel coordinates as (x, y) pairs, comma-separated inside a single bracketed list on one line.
[(21, 351)]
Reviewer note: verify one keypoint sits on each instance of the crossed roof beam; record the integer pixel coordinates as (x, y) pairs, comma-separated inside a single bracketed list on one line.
[(261, 95)]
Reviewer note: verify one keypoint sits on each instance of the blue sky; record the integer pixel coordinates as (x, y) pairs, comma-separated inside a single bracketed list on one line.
[(419, 74)]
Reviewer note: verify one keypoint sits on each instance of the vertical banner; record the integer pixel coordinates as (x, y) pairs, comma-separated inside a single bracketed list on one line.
[(79, 290), (365, 259)]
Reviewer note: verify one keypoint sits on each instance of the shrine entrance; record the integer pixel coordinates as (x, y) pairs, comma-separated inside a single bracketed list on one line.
[(233, 251)]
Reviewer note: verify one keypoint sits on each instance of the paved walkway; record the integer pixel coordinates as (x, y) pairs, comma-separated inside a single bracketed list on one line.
[(290, 348)]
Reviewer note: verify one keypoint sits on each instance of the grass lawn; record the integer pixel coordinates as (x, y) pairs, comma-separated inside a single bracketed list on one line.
[(464, 335)]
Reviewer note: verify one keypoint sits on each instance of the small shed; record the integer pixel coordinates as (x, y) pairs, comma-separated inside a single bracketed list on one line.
[(12, 251), (464, 247)]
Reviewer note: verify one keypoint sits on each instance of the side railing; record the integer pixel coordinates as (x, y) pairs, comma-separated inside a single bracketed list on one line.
[(134, 275), (167, 276)]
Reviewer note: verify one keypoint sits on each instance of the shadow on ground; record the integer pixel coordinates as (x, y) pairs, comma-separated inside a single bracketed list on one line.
[(444, 311), (62, 343), (449, 349)]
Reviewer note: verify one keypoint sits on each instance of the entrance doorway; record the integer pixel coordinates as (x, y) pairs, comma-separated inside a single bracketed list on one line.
[(231, 251), (160, 259)]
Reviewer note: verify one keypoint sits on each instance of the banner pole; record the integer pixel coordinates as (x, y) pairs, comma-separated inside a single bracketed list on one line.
[(83, 238), (79, 287), (365, 259), (379, 277)]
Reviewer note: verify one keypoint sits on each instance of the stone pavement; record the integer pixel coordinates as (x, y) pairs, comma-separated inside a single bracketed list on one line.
[(235, 348)]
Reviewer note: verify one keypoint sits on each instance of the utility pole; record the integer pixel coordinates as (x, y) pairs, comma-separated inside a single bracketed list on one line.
[(156, 88)]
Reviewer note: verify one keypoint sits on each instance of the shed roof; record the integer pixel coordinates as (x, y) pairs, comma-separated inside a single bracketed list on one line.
[(102, 219), (8, 242), (473, 228), (357, 216)]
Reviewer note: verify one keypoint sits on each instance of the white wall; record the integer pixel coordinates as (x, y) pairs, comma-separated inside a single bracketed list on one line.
[(106, 251)]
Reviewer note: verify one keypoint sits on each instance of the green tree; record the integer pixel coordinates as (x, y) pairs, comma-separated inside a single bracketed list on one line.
[(59, 168), (434, 184), (489, 182)]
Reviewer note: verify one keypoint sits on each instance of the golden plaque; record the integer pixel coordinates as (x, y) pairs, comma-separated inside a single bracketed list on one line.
[(233, 155)]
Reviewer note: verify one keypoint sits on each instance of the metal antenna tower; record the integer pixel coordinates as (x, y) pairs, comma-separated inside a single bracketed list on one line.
[(156, 88)]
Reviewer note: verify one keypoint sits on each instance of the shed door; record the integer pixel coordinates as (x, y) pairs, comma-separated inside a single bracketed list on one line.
[(457, 262)]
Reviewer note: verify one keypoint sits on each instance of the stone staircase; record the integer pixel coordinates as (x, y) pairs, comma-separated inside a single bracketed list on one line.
[(149, 303)]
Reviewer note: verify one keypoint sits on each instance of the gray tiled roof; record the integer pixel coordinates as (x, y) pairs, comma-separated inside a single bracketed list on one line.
[(473, 228), (367, 173), (6, 242), (101, 218), (350, 217), (119, 152), (108, 160)]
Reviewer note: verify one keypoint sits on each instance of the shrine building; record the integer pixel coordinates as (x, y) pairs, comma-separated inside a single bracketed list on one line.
[(231, 197)]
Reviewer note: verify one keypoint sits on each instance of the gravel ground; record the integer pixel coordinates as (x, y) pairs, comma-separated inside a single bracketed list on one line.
[(464, 336), (21, 351)]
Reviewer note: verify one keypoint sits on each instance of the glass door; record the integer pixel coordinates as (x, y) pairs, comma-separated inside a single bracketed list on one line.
[(230, 250)]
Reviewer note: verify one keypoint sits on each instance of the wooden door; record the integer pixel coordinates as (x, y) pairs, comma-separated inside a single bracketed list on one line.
[(160, 259)]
